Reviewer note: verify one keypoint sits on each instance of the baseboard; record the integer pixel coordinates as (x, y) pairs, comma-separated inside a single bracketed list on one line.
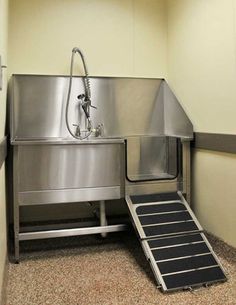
[(3, 292)]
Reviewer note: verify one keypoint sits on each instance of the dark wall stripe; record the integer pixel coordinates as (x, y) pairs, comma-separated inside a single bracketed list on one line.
[(215, 141)]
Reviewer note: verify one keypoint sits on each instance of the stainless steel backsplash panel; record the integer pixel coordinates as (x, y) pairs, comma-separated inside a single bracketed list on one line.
[(125, 107)]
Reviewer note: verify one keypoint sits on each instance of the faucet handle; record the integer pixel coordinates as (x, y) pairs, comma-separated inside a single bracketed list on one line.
[(77, 131), (81, 96), (85, 101)]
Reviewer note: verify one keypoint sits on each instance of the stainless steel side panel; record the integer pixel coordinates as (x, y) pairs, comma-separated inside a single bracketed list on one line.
[(177, 123), (151, 158), (54, 167)]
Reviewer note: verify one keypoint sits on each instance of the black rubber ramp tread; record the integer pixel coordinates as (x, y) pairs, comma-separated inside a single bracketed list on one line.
[(180, 251), (154, 197), (160, 208), (174, 243), (197, 277), (187, 263), (169, 241), (163, 218), (173, 228)]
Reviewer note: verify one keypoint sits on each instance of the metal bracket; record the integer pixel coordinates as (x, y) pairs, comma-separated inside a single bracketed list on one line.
[(1, 74), (3, 150)]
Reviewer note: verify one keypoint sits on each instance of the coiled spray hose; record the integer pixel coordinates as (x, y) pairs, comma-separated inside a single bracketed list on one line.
[(87, 93)]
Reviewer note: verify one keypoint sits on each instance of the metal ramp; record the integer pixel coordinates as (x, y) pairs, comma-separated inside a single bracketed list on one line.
[(173, 242)]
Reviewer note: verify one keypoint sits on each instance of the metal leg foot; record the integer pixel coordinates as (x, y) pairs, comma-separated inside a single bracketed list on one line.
[(16, 249), (103, 220)]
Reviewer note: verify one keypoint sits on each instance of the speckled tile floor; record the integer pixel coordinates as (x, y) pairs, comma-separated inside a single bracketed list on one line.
[(113, 271)]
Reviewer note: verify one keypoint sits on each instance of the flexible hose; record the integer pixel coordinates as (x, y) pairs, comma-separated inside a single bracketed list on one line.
[(87, 92), (86, 80)]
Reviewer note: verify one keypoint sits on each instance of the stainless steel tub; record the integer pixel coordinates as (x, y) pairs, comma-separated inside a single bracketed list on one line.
[(144, 146)]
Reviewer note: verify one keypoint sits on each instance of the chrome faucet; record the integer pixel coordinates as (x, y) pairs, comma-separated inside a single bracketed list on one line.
[(84, 99)]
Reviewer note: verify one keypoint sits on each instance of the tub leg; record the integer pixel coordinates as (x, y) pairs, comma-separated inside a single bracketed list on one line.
[(103, 220)]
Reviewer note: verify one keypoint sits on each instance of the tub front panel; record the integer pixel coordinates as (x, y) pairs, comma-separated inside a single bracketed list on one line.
[(53, 167)]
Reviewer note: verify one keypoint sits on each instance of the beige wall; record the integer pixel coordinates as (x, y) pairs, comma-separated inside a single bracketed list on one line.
[(118, 37), (215, 194), (202, 72), (3, 52), (202, 61)]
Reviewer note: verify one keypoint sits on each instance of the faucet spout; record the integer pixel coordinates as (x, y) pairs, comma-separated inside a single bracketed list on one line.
[(85, 102), (86, 81), (85, 99)]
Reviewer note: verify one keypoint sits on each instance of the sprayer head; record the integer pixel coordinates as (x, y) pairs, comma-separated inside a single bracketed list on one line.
[(75, 49)]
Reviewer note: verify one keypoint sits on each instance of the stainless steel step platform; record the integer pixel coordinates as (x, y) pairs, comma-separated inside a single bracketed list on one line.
[(173, 242)]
